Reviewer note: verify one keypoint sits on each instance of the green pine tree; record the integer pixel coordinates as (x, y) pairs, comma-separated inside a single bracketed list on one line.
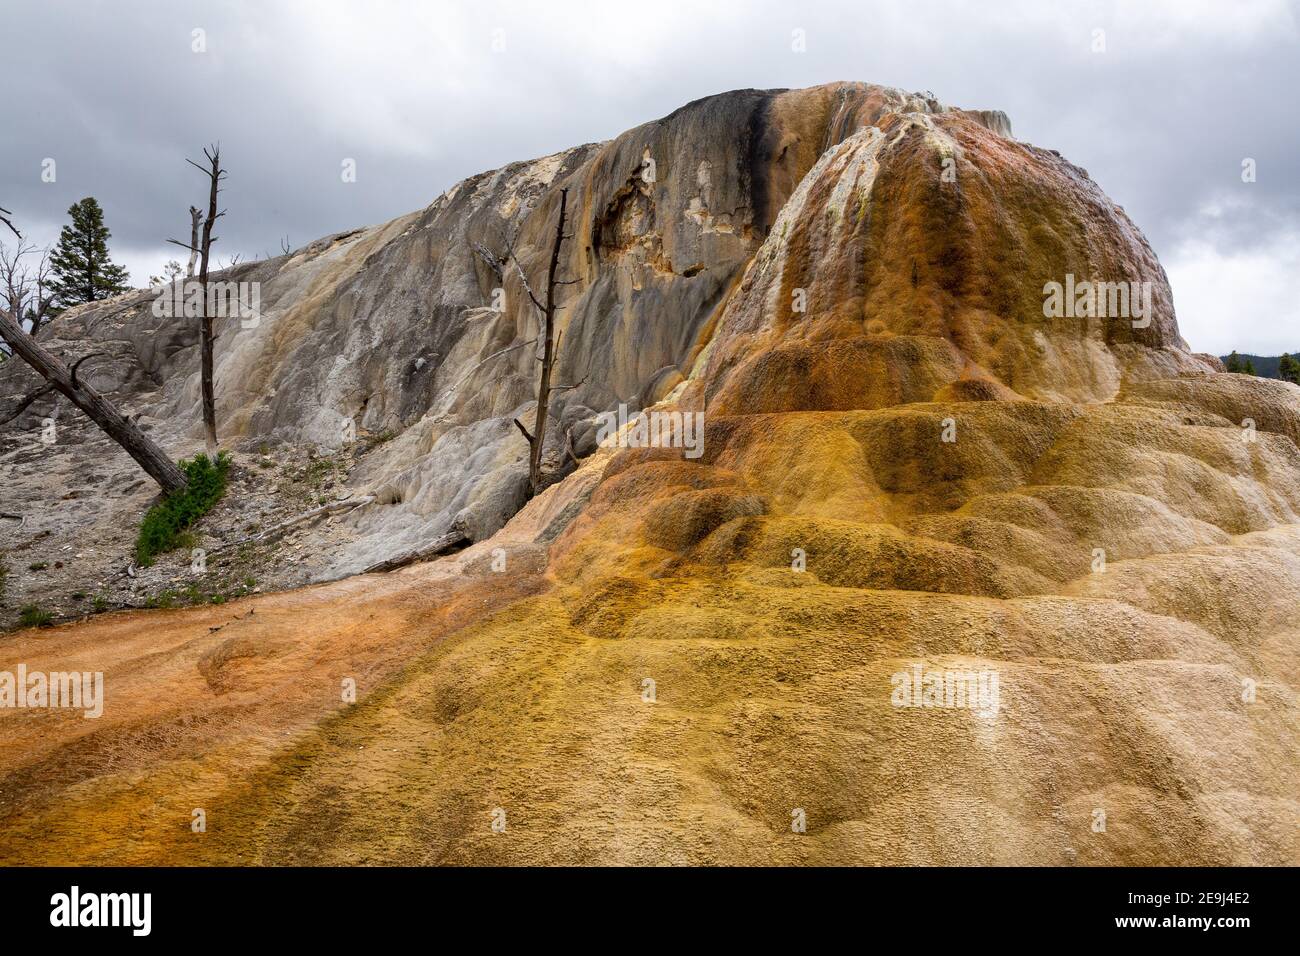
[(1249, 367), (1233, 364), (82, 270), (1288, 369)]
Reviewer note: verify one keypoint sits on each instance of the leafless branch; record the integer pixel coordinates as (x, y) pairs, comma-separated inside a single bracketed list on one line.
[(562, 388), (524, 279), (4, 217), (24, 288), (77, 364)]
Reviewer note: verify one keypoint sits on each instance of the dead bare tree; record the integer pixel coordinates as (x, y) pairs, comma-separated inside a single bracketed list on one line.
[(550, 348), (7, 351), (4, 214), (26, 288), (215, 174), (13, 293)]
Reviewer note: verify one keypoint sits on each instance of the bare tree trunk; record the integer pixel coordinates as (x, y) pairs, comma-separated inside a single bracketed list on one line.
[(195, 218), (40, 309), (203, 248), (206, 337), (537, 438), (453, 540), (100, 410)]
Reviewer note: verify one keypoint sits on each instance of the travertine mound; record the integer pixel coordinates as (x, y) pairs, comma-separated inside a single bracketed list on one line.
[(667, 659), (399, 330)]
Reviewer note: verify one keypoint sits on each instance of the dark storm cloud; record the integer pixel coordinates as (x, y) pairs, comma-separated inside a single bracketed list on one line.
[(423, 94)]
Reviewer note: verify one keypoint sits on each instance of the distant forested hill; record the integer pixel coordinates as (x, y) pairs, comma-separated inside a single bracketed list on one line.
[(1265, 365)]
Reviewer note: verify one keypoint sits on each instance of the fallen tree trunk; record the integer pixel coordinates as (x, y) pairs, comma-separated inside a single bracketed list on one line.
[(453, 541), (101, 411), (270, 534)]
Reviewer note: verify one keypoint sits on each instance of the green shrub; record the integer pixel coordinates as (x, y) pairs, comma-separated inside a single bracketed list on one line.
[(164, 599), (164, 526), (33, 616)]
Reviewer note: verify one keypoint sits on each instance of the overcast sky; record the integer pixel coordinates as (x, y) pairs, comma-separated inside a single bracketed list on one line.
[(420, 95)]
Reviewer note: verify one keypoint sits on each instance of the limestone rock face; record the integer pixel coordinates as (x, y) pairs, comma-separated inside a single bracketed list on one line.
[(907, 470)]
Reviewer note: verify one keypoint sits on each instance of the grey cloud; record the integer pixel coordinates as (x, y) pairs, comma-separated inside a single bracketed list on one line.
[(415, 94)]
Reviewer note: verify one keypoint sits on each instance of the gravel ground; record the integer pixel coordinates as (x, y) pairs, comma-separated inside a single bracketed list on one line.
[(74, 557)]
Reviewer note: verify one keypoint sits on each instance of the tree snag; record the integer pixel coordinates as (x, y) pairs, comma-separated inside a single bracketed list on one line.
[(215, 173), (537, 437), (26, 290)]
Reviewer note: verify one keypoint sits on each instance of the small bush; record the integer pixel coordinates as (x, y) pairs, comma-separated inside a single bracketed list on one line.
[(38, 566), (33, 616), (161, 600), (164, 526)]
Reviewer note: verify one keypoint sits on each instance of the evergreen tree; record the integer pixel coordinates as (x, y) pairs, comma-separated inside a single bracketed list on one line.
[(1288, 369), (82, 269), (1233, 364), (1249, 367)]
